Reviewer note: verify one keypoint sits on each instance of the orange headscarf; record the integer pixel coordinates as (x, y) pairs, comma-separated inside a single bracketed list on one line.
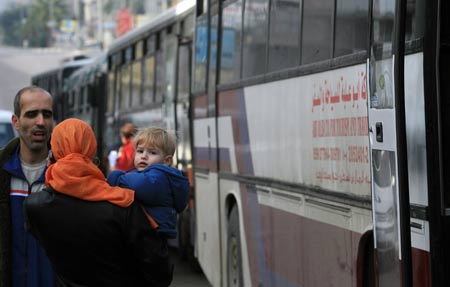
[(74, 146)]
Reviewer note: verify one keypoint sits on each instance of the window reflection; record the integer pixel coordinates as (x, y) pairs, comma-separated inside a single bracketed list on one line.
[(352, 26), (255, 37), (317, 30), (230, 62), (284, 32)]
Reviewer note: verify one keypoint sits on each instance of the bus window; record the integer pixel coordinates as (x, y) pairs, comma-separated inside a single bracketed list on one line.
[(230, 61), (148, 73), (139, 50), (170, 50), (118, 89), (284, 40), (160, 69), (85, 97), (183, 73), (255, 37), (136, 79), (317, 30), (81, 99), (126, 85), (201, 48), (53, 86), (383, 29), (111, 93), (352, 26), (149, 78), (202, 6), (136, 74), (188, 26), (415, 19), (213, 54)]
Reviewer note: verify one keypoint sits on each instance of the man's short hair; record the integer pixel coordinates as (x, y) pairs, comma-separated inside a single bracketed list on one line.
[(32, 88)]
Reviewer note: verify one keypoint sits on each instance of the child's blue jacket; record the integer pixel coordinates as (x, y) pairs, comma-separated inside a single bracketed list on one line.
[(162, 190)]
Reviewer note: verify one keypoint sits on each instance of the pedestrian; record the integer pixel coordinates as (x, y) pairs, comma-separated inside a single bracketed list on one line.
[(22, 169), (162, 189), (126, 151), (94, 234)]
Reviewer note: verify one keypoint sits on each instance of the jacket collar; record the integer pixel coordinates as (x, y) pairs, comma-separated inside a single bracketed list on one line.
[(14, 167)]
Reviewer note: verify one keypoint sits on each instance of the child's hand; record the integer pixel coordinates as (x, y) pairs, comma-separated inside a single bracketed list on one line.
[(113, 177)]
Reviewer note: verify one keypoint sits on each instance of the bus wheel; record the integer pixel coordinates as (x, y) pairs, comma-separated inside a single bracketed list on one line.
[(234, 256)]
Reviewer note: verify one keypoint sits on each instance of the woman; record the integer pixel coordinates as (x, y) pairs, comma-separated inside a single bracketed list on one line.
[(93, 234)]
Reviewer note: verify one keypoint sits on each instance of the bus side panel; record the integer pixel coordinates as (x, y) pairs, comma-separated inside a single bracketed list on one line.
[(312, 130), (206, 193), (293, 238), (287, 243)]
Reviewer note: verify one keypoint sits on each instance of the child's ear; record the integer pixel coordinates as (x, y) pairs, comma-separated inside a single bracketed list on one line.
[(168, 160)]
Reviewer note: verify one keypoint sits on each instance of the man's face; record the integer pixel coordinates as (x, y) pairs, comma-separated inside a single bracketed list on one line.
[(35, 122)]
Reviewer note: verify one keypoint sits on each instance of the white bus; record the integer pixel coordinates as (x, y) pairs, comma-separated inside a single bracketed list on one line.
[(319, 142)]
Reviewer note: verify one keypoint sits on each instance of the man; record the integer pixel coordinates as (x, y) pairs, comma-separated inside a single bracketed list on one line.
[(93, 233), (22, 170)]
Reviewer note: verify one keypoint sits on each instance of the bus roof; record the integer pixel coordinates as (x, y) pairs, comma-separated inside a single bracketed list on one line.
[(86, 73)]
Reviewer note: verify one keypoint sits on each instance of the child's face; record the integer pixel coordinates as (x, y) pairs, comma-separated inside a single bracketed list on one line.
[(146, 156)]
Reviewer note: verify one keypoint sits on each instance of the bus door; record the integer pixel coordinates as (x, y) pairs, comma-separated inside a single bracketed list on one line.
[(437, 101), (182, 106), (204, 113), (183, 126), (386, 113)]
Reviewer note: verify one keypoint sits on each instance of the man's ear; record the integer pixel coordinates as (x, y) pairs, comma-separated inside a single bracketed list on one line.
[(15, 121), (168, 159)]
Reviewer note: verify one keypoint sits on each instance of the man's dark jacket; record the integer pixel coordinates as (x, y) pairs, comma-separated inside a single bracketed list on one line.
[(97, 243), (5, 215)]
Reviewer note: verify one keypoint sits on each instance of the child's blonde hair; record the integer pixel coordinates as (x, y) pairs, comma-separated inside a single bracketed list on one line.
[(156, 137)]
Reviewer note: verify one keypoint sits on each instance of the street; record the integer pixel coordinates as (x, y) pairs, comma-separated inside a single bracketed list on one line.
[(17, 67), (185, 275)]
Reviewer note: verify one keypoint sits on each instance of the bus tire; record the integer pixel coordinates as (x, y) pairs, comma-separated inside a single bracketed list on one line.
[(366, 262), (234, 255), (369, 274)]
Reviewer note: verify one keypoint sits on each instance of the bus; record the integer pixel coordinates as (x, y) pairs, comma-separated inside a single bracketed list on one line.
[(83, 97), (53, 81), (142, 78), (148, 82), (319, 130)]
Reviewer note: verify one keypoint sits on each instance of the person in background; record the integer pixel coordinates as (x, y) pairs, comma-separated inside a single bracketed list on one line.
[(94, 234), (126, 152), (22, 168), (162, 189)]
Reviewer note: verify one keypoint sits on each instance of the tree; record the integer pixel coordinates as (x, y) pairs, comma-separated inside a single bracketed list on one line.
[(11, 25), (34, 23), (42, 21)]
